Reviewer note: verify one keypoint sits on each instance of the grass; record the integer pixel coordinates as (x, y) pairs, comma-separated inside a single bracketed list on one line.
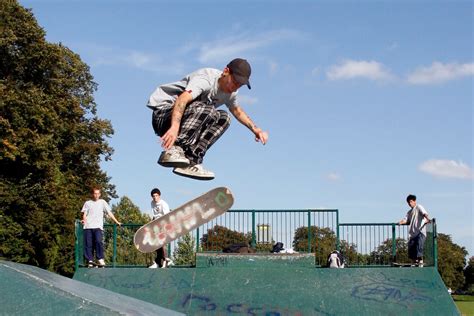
[(465, 304)]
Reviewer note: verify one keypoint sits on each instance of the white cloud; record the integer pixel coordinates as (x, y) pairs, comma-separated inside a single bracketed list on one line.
[(315, 71), (100, 55), (439, 72), (333, 177), (139, 60), (350, 69), (273, 67), (224, 49), (446, 169)]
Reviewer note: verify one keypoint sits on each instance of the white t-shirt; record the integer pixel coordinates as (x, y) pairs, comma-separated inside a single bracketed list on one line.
[(159, 209), (201, 84), (415, 220), (95, 211)]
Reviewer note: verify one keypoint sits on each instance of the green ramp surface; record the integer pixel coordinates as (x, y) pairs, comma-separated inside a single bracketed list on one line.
[(28, 290), (224, 284)]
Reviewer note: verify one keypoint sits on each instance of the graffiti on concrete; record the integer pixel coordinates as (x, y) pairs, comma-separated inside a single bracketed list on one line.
[(217, 262), (202, 303), (402, 291)]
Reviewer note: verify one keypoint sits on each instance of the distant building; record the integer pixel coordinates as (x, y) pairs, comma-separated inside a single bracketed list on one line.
[(264, 234)]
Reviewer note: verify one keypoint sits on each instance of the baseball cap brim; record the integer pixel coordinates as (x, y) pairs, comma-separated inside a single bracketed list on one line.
[(242, 80)]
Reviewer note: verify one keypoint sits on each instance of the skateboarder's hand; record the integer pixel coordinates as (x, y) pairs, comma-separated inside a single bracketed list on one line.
[(168, 139), (261, 136)]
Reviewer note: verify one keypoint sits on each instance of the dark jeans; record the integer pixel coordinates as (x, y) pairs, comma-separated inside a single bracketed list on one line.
[(160, 256), (93, 241), (415, 246)]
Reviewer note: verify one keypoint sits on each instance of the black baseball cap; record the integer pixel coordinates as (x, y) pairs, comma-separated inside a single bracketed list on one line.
[(240, 70)]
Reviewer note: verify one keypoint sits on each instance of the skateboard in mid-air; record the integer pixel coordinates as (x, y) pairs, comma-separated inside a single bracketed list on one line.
[(183, 219)]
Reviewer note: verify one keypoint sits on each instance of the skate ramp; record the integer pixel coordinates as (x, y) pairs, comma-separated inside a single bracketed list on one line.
[(279, 285), (27, 290)]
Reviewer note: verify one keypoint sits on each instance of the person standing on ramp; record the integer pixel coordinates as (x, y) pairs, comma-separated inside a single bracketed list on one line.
[(417, 217)]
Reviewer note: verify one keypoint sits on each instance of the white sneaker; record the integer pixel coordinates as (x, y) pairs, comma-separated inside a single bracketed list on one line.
[(101, 262), (195, 172), (173, 157), (153, 266), (169, 262)]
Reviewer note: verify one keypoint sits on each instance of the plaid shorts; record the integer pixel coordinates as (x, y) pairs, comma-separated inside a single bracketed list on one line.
[(201, 126)]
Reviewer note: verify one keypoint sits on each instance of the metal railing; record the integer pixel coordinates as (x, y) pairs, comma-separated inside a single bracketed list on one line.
[(381, 244), (260, 229), (304, 231)]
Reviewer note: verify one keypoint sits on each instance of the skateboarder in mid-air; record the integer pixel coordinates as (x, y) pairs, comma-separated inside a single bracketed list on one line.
[(159, 207), (415, 218), (186, 118)]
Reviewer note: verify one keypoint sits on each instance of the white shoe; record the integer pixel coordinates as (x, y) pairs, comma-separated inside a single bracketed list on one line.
[(195, 171), (169, 262), (153, 266), (173, 157), (101, 262)]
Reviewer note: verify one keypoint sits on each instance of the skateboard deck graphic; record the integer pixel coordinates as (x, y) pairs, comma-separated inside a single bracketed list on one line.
[(183, 219)]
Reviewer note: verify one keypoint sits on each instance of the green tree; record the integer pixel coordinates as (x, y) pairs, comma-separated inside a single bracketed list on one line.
[(383, 253), (52, 143), (469, 277), (451, 262), (351, 256), (219, 237), (131, 218), (323, 242), (185, 251)]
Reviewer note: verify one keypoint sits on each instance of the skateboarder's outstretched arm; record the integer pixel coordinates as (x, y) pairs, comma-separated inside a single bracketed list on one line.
[(244, 119)]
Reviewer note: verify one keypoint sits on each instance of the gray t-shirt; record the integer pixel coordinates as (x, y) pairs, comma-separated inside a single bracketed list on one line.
[(201, 84), (159, 209), (415, 220), (95, 211)]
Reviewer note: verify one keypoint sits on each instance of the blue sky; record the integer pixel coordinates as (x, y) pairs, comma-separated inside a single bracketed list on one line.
[(364, 102)]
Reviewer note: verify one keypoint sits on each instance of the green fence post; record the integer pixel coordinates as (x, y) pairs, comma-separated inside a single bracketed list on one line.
[(337, 231), (114, 256), (435, 244), (254, 243), (394, 243), (309, 231), (76, 245), (197, 239)]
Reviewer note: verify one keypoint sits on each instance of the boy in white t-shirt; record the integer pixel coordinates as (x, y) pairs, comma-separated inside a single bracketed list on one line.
[(93, 220), (159, 208), (417, 218)]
